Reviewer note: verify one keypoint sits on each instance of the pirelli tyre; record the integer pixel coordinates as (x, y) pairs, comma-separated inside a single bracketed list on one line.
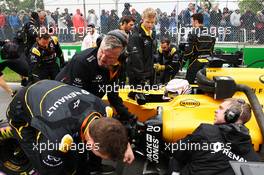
[(13, 161)]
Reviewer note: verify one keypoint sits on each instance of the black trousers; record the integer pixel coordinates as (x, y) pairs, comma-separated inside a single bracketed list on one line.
[(166, 76), (193, 68), (46, 71), (140, 81)]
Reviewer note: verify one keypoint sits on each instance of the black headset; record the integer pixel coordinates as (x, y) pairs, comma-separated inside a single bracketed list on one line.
[(233, 113), (124, 40), (120, 35)]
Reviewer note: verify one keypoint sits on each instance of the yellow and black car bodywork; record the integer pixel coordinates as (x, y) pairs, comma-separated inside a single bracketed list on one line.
[(184, 113)]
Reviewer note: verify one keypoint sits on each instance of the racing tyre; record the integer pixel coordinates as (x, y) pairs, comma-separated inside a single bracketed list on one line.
[(13, 160)]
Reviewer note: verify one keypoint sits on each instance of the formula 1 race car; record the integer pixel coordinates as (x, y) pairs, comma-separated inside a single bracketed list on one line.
[(166, 120), (165, 116)]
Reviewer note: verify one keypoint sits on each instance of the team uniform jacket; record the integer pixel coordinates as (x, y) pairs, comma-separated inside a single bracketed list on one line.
[(43, 61), (142, 48), (43, 56), (171, 61), (212, 160), (83, 71), (53, 108)]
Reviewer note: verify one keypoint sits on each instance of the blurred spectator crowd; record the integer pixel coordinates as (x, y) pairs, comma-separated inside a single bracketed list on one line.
[(227, 25)]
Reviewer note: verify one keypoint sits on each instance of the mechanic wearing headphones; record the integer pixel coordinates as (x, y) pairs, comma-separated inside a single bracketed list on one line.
[(11, 58), (167, 63), (228, 139), (56, 124), (96, 70)]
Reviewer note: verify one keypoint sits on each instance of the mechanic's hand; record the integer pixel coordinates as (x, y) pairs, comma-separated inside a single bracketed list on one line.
[(13, 93), (159, 67), (129, 155), (24, 81)]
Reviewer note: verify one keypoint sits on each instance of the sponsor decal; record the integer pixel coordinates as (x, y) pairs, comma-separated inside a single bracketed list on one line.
[(76, 104), (78, 80), (11, 166), (152, 143), (5, 133), (190, 103), (64, 99), (91, 58), (210, 70), (52, 161), (98, 77), (258, 91)]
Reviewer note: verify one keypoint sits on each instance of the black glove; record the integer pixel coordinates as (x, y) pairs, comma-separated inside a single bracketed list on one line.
[(126, 118), (24, 82), (135, 130)]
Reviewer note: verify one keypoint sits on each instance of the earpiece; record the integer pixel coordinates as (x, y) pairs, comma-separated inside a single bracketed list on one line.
[(233, 113), (120, 35), (124, 40)]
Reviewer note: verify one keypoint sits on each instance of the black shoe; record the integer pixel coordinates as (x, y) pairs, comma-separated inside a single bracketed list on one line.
[(103, 170)]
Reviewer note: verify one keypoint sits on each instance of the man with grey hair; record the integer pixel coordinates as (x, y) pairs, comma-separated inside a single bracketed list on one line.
[(97, 70)]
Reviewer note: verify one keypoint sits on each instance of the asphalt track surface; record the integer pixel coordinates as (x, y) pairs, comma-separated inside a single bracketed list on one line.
[(134, 169), (5, 99)]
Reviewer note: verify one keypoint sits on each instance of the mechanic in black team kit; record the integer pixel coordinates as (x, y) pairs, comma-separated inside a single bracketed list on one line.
[(65, 117), (95, 69), (228, 136), (46, 57), (200, 44)]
